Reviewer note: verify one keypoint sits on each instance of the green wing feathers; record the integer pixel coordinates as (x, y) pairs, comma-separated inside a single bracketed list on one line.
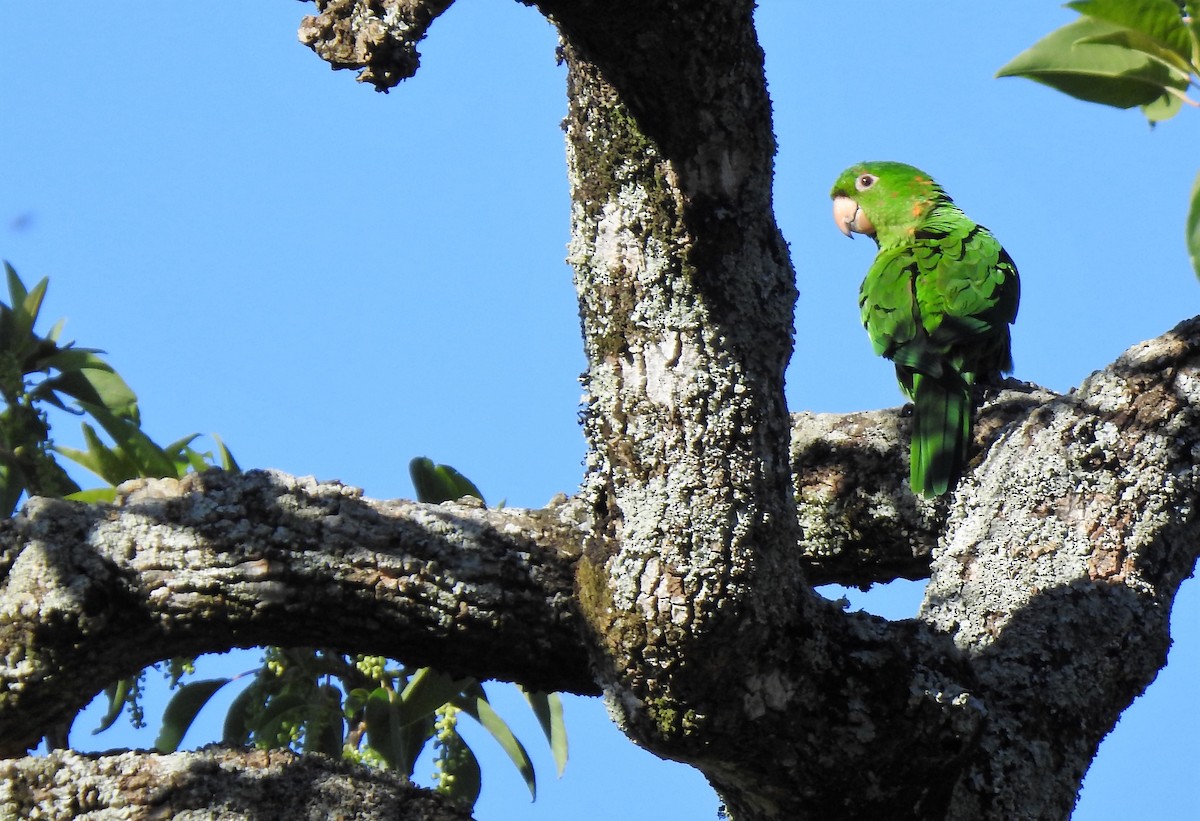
[(937, 301), (963, 293), (941, 429)]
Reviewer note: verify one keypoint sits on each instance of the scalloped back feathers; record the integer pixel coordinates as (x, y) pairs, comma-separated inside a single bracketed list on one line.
[(937, 300)]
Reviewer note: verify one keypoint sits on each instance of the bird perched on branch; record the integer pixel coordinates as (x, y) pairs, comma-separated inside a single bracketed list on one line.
[(937, 301)]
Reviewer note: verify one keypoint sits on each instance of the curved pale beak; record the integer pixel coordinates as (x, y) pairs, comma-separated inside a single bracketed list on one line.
[(849, 217)]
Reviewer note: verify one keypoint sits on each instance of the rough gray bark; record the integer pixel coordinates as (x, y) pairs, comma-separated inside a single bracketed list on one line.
[(213, 785), (860, 525), (678, 578)]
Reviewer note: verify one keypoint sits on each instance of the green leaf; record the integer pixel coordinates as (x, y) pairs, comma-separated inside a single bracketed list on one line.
[(117, 693), (96, 386), (225, 456), (112, 465), (325, 737), (70, 358), (96, 495), (480, 710), (1159, 20), (356, 700), (268, 726), (1136, 41), (385, 728), (26, 314), (56, 331), (1094, 71), (324, 731), (193, 459), (236, 730), (150, 460), (16, 288), (1193, 227), (1192, 8), (439, 483), (428, 689), (467, 780), (180, 446), (1164, 108), (109, 464), (182, 710), (17, 325), (473, 691), (549, 711), (12, 485)]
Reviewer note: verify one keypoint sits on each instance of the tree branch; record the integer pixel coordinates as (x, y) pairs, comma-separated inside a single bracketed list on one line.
[(378, 36), (861, 522), (223, 559), (90, 593), (1047, 610), (215, 783), (1062, 556)]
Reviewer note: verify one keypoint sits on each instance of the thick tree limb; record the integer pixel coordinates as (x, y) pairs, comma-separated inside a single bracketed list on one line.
[(92, 593), (378, 36), (1046, 614), (1061, 559), (215, 784), (712, 650), (686, 298), (861, 522)]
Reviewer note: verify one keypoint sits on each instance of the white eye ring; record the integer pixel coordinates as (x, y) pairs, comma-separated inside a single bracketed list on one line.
[(865, 181)]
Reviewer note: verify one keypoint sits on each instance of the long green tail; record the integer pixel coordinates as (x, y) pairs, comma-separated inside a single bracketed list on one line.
[(941, 427)]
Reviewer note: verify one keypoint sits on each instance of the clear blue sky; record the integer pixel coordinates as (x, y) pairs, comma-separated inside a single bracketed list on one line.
[(337, 280)]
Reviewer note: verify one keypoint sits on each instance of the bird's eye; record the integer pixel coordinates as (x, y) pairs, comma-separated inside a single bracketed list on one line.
[(865, 181)]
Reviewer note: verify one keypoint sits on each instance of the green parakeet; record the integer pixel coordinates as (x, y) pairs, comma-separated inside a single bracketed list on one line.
[(937, 301)]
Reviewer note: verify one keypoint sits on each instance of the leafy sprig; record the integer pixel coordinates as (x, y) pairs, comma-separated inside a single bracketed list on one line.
[(1126, 54), (365, 708)]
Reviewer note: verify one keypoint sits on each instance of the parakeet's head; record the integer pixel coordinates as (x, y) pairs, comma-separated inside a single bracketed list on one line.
[(885, 200)]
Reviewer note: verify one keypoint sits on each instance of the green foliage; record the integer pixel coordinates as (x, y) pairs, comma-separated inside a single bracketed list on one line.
[(122, 694), (1121, 53), (548, 709), (38, 374), (439, 483), (362, 707), (457, 770), (182, 710), (1125, 53), (473, 701), (386, 717), (1193, 226)]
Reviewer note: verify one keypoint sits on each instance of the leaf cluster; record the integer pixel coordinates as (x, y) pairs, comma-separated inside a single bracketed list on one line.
[(1125, 53), (363, 707), (1121, 53), (40, 373)]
